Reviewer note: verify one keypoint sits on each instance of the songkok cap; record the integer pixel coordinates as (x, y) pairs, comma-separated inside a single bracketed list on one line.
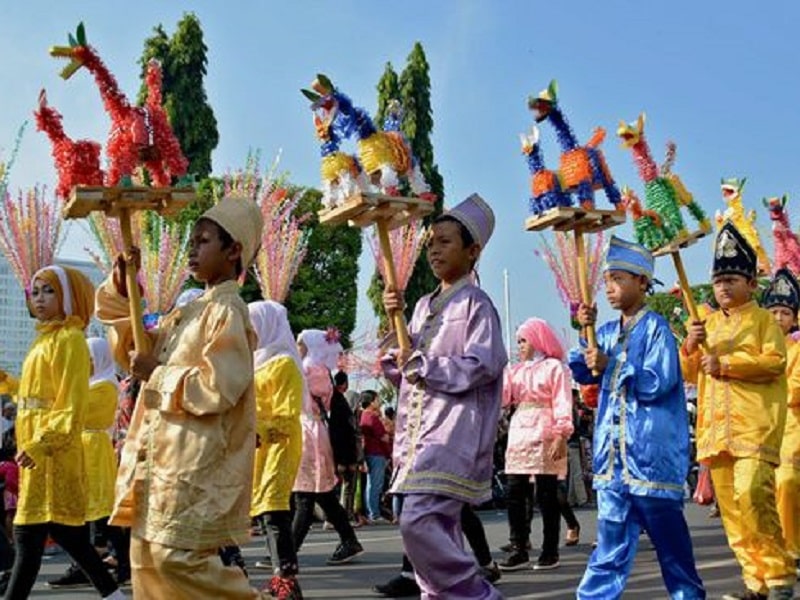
[(783, 290), (242, 219), (733, 255), (622, 255), (477, 216)]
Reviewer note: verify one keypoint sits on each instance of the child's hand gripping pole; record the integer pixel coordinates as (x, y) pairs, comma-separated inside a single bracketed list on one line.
[(583, 282), (396, 318), (140, 341), (686, 292)]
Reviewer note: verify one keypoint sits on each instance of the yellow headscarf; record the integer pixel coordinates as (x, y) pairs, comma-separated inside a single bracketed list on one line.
[(75, 291)]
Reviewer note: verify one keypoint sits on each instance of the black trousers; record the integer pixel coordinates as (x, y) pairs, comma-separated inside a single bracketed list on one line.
[(304, 515), (566, 509), (280, 523), (120, 538), (30, 540), (520, 510)]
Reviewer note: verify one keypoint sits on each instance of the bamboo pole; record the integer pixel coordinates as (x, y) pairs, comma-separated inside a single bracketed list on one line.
[(686, 291), (140, 340), (396, 318), (583, 282)]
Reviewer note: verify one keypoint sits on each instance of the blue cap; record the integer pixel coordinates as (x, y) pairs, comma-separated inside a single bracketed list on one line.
[(622, 255)]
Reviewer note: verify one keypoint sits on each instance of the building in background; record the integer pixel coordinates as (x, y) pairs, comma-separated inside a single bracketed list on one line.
[(17, 326)]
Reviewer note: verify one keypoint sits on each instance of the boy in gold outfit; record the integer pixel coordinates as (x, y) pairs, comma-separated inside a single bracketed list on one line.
[(741, 413)]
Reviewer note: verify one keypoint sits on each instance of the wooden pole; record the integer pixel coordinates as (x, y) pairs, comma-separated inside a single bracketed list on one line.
[(583, 282), (397, 319), (686, 291), (140, 340)]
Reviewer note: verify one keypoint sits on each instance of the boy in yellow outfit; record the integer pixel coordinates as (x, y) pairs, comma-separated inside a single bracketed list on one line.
[(782, 299), (741, 413)]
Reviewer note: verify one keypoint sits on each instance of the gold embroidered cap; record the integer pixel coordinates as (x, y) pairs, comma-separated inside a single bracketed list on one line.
[(732, 254), (783, 290)]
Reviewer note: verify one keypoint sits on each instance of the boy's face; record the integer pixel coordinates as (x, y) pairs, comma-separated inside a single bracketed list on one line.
[(447, 256), (624, 290), (731, 291), (209, 262), (785, 317)]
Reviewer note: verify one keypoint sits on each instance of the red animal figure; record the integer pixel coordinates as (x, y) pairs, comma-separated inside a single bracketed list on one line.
[(139, 135), (77, 162), (787, 245)]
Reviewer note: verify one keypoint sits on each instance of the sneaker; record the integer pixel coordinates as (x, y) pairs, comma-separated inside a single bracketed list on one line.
[(511, 546), (284, 588), (378, 521), (781, 592), (73, 578), (573, 537), (714, 512), (545, 564), (345, 552), (515, 561), (263, 565), (745, 595), (490, 572), (398, 587)]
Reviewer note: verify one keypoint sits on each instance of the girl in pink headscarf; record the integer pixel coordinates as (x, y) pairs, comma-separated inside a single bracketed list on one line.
[(538, 390)]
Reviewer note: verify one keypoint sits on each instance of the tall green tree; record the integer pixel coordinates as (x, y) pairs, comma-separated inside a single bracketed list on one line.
[(324, 292), (184, 60), (413, 89)]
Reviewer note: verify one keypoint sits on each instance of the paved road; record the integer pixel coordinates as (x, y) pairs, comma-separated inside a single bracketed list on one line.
[(381, 559)]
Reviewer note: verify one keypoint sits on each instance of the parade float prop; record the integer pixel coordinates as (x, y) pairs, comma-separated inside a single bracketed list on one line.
[(659, 225), (582, 170), (142, 153), (785, 241), (745, 222), (367, 190)]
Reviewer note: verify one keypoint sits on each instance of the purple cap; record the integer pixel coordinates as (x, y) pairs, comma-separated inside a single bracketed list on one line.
[(477, 216)]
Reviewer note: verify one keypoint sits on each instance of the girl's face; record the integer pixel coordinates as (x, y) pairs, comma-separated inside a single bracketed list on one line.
[(784, 317), (44, 301), (302, 349), (525, 349)]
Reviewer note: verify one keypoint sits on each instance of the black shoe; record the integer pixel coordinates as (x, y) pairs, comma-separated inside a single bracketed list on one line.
[(123, 576), (73, 578), (745, 595), (546, 563), (345, 552), (515, 561), (398, 587), (490, 572), (511, 546)]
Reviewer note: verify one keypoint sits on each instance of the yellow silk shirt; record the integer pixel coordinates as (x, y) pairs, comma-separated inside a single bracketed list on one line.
[(790, 447), (742, 413), (98, 451), (185, 475), (279, 400), (51, 408)]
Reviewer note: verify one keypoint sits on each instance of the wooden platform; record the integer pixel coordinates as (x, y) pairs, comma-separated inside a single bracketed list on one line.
[(166, 201), (366, 208), (680, 244), (572, 218)]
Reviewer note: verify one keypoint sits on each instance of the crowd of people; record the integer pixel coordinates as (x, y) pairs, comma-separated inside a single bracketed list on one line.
[(224, 421)]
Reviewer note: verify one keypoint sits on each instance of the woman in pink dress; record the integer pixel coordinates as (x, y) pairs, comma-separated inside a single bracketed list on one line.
[(539, 390)]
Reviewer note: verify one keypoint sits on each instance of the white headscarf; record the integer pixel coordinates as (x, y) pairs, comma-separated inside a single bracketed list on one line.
[(320, 350), (102, 363), (274, 334)]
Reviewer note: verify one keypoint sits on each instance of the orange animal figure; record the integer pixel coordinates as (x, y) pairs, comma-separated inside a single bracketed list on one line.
[(647, 224)]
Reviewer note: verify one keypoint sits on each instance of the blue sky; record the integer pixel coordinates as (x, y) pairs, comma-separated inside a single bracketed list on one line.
[(720, 79)]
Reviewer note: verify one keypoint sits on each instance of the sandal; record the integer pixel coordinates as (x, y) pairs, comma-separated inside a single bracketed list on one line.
[(573, 537)]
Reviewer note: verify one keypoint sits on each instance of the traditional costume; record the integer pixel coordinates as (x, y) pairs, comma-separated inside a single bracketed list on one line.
[(52, 407), (185, 476), (740, 420), (785, 291), (448, 410), (641, 446)]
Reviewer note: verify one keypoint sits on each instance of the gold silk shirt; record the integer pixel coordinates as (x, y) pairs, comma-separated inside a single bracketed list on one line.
[(741, 413), (98, 451), (790, 447), (51, 401), (185, 475)]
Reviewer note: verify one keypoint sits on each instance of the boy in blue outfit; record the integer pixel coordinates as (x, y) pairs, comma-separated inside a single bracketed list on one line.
[(641, 436)]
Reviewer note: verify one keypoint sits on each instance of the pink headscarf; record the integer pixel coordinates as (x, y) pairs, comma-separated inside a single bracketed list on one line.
[(543, 339)]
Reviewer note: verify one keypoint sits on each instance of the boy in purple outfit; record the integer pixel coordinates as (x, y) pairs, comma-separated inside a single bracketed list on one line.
[(450, 392)]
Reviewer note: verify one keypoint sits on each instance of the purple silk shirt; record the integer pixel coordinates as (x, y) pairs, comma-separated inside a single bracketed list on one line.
[(450, 395)]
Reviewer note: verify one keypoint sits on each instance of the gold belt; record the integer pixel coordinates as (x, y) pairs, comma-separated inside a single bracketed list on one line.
[(34, 403)]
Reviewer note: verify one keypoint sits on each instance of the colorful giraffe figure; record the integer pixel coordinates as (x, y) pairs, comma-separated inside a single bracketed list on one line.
[(138, 135), (583, 169), (745, 223), (664, 191), (545, 185), (787, 244), (648, 226)]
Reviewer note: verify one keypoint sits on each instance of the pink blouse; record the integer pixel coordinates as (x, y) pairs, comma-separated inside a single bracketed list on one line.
[(317, 472)]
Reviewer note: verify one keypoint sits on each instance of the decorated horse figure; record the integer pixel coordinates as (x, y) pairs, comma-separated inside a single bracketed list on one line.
[(787, 245), (139, 135), (583, 169), (745, 223), (77, 162), (545, 185), (385, 156), (664, 192)]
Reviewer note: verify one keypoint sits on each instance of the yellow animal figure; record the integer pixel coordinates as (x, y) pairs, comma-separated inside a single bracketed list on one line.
[(745, 223)]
